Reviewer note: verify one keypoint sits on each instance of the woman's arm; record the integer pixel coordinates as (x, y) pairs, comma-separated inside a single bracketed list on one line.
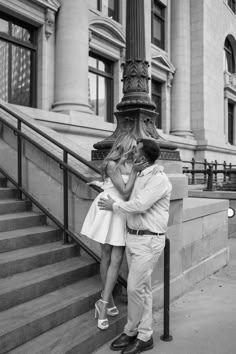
[(117, 180)]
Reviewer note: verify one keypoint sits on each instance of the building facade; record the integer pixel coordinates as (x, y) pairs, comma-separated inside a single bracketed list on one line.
[(61, 62)]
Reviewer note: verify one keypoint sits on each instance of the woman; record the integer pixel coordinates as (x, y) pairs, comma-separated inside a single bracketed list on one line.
[(108, 228)]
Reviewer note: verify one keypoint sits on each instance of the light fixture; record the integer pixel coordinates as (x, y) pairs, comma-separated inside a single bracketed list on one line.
[(231, 212)]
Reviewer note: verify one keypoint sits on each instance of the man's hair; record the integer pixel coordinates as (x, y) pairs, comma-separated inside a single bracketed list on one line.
[(151, 149)]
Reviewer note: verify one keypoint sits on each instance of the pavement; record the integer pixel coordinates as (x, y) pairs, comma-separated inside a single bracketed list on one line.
[(202, 321)]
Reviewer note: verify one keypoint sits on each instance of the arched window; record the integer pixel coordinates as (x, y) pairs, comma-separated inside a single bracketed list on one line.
[(229, 56)]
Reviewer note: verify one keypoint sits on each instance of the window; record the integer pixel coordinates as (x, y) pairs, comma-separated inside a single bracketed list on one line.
[(101, 86), (158, 24), (230, 123), (17, 62), (232, 5), (229, 55), (156, 98), (109, 8)]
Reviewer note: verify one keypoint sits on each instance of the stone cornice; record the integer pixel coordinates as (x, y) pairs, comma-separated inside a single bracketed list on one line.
[(48, 4)]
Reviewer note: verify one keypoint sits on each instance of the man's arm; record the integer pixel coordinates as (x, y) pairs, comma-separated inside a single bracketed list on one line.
[(154, 190)]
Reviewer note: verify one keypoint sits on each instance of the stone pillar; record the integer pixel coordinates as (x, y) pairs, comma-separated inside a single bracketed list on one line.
[(226, 119), (71, 62), (181, 56)]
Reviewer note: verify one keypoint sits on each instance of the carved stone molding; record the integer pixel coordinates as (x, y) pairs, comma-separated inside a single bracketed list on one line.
[(49, 22)]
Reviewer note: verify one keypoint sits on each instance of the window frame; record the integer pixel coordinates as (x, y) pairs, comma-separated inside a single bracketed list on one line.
[(232, 5), (116, 9), (11, 40), (159, 43), (229, 56), (108, 76), (231, 123), (159, 96)]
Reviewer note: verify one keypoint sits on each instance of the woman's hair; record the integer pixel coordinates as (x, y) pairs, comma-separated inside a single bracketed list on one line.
[(120, 151)]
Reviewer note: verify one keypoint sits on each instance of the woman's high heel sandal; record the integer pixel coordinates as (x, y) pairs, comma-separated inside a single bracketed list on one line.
[(112, 311), (102, 323)]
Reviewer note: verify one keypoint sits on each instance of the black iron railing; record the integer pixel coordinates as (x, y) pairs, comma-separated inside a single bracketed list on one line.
[(207, 172)]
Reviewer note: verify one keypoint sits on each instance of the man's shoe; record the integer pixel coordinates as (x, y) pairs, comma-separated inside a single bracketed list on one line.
[(122, 341), (138, 346)]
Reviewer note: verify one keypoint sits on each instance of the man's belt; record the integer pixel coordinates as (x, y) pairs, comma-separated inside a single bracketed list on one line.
[(143, 232)]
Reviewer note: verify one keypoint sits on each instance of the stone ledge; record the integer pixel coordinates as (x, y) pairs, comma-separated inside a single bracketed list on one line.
[(197, 207)]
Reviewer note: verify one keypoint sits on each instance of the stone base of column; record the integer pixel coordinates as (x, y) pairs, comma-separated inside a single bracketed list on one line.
[(140, 123), (184, 133), (66, 107)]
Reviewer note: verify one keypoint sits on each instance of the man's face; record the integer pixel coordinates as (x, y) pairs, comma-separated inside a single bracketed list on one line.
[(138, 153)]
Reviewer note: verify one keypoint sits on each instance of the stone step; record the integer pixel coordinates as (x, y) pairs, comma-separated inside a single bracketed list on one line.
[(7, 193), (8, 206), (29, 258), (21, 220), (31, 236), (26, 286), (26, 321), (77, 336)]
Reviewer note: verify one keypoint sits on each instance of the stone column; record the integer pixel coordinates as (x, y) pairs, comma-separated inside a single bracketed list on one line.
[(181, 56), (226, 119), (71, 62)]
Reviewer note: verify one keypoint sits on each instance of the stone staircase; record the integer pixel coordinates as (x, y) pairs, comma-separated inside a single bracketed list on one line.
[(47, 289)]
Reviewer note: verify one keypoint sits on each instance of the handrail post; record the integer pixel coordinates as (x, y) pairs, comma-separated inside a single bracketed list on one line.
[(225, 171), (166, 320), (65, 197), (19, 161)]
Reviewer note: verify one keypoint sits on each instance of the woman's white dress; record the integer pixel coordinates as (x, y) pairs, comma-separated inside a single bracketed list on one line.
[(105, 226)]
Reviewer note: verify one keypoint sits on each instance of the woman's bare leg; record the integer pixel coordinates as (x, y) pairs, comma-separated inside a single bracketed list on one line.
[(112, 272)]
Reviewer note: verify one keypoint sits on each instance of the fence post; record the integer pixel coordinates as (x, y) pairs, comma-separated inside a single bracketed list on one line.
[(166, 320), (216, 166), (210, 178), (224, 166), (193, 174), (230, 167), (205, 169)]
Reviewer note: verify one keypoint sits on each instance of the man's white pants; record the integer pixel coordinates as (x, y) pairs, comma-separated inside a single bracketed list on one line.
[(142, 254)]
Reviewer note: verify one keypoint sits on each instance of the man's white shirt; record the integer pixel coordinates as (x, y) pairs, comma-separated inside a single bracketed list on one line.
[(148, 206)]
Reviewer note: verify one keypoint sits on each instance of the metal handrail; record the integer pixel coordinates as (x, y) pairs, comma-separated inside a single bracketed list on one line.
[(63, 165)]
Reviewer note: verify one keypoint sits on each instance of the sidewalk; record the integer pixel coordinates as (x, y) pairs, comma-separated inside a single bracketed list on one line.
[(203, 321)]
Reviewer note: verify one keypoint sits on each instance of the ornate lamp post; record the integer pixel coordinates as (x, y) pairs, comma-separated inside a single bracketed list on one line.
[(136, 113)]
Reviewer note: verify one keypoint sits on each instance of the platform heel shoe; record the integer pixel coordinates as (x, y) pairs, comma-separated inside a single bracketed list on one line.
[(102, 323)]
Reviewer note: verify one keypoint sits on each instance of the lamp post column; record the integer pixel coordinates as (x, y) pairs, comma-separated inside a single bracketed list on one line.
[(136, 113)]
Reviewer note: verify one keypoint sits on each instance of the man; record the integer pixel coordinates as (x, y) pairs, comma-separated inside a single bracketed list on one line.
[(147, 216)]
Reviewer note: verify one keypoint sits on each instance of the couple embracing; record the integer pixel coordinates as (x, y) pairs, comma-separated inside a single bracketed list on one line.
[(130, 214)]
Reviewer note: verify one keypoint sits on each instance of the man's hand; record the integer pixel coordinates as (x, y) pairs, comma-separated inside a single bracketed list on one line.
[(106, 203)]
